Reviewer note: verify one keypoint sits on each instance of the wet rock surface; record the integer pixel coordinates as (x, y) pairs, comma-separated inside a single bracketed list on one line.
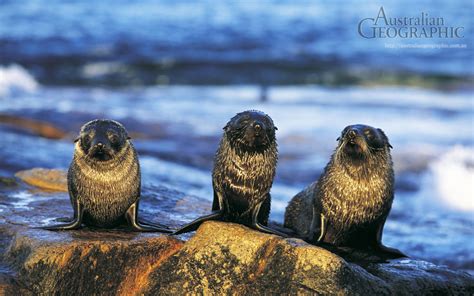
[(44, 178), (86, 262), (89, 261), (219, 258), (232, 259)]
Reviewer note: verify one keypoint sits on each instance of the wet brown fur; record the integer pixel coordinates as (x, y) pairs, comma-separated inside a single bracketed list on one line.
[(354, 193), (244, 173), (106, 189)]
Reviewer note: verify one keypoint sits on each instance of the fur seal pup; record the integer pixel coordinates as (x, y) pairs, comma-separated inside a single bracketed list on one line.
[(244, 168), (104, 179), (349, 204)]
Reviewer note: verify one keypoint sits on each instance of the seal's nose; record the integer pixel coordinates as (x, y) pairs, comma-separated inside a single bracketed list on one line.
[(257, 127), (100, 145)]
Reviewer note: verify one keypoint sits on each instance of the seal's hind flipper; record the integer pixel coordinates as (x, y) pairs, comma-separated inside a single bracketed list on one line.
[(216, 215), (132, 217)]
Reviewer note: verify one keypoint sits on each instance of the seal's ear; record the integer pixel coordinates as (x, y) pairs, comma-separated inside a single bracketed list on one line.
[(76, 139), (343, 133), (384, 136)]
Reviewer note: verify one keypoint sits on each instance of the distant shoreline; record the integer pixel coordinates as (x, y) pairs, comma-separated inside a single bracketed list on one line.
[(117, 74)]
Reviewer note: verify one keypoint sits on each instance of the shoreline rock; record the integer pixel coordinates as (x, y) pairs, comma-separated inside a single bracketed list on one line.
[(221, 258), (227, 258), (87, 263), (51, 179), (37, 127)]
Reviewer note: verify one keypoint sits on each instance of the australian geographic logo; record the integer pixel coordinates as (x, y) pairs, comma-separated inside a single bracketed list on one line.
[(422, 26)]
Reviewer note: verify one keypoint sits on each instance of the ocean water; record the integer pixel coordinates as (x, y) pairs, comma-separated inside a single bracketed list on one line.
[(246, 42), (431, 132)]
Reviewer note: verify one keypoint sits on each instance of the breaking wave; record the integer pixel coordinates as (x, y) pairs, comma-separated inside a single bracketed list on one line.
[(453, 176), (14, 79)]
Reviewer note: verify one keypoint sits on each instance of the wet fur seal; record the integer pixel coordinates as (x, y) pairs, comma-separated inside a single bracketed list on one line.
[(244, 168), (104, 179), (349, 204)]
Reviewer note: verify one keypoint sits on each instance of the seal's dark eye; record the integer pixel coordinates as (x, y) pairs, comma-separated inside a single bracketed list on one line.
[(114, 139), (368, 133), (86, 139)]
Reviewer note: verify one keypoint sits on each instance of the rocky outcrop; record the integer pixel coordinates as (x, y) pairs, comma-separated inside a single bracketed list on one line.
[(88, 263), (45, 178), (221, 258), (36, 127), (227, 258)]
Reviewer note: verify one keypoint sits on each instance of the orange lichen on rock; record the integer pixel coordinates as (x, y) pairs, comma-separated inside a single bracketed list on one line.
[(136, 278)]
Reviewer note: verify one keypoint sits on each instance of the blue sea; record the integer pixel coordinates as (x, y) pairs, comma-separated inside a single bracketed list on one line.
[(264, 42)]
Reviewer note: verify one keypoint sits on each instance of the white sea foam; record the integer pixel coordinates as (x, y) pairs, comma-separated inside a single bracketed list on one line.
[(23, 200), (453, 176), (15, 78)]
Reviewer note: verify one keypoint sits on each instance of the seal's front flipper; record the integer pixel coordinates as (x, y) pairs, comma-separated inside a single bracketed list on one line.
[(323, 228), (257, 226), (386, 252), (218, 201), (132, 217), (287, 231), (268, 230), (148, 228), (389, 253), (152, 224), (64, 219), (75, 223), (216, 215)]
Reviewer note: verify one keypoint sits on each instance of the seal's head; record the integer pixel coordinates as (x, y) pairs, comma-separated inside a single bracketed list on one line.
[(102, 139), (251, 131), (359, 141)]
